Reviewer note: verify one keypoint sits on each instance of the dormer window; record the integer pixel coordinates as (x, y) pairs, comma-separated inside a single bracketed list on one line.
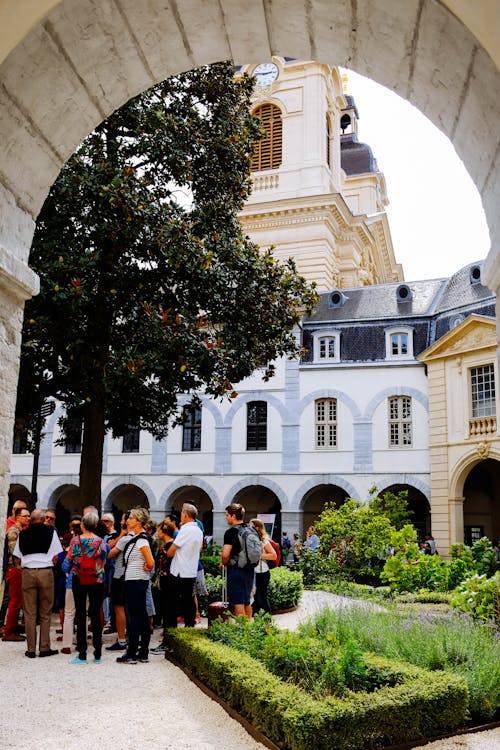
[(327, 346), (399, 343)]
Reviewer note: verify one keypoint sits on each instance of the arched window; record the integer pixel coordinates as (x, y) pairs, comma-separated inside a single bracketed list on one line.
[(267, 152)]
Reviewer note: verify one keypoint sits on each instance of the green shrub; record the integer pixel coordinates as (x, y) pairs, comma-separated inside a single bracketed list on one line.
[(285, 588), (479, 597), (410, 703), (453, 643)]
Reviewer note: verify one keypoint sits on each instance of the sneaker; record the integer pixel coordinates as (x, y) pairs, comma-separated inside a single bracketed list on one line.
[(157, 650), (126, 659), (77, 660), (143, 659), (97, 661), (117, 646), (108, 630)]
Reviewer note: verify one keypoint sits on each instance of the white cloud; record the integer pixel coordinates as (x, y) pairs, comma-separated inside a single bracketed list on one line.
[(435, 213)]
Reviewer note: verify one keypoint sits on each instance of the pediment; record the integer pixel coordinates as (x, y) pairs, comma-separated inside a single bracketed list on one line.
[(474, 333)]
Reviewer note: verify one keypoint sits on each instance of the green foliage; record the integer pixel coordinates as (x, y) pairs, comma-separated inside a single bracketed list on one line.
[(479, 597), (393, 506), (285, 588), (447, 642), (144, 296), (355, 537), (210, 559), (409, 703), (408, 570)]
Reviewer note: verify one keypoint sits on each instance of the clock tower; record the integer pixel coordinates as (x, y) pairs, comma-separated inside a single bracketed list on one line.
[(318, 195)]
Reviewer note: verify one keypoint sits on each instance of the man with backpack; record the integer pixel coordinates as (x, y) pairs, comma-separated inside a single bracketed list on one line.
[(240, 554)]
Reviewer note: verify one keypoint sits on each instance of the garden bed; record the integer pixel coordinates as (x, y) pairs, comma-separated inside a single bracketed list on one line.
[(408, 704)]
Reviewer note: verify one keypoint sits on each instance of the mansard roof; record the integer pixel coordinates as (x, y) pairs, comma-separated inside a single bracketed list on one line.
[(378, 302)]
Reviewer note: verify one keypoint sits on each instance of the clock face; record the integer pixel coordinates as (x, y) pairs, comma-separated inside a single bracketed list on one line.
[(266, 73)]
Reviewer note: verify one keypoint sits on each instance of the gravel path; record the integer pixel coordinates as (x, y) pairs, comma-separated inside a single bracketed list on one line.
[(49, 704)]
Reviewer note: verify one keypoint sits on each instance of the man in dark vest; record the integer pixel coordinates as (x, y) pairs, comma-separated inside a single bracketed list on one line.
[(38, 547)]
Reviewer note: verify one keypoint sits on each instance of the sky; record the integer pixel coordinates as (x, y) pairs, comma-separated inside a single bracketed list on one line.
[(435, 213)]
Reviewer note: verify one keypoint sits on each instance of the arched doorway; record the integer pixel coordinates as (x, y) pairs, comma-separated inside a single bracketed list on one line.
[(18, 492), (125, 497), (419, 506), (200, 499), (66, 502), (482, 501), (261, 501), (315, 500)]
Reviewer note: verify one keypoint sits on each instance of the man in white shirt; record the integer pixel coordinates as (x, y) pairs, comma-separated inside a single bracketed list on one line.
[(38, 547), (185, 551)]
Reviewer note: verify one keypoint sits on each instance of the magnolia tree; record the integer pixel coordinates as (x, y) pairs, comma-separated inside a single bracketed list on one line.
[(149, 288)]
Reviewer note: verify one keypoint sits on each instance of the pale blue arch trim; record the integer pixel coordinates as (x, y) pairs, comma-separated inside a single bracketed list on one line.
[(201, 484), (389, 479), (399, 390), (207, 404), (330, 393), (260, 481), (48, 500), (244, 399), (333, 479), (127, 479)]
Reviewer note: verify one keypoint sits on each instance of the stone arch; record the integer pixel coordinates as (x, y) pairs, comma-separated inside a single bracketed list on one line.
[(396, 391), (255, 481), (330, 479), (114, 487), (164, 502), (330, 393), (245, 398), (463, 468)]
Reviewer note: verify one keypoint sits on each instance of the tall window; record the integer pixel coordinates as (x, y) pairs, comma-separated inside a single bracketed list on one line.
[(400, 432), (483, 391), (73, 441), (20, 442), (257, 426), (326, 423), (328, 142), (191, 428), (267, 152), (131, 440)]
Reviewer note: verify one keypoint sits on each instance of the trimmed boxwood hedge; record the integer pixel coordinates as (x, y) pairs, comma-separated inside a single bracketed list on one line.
[(413, 703)]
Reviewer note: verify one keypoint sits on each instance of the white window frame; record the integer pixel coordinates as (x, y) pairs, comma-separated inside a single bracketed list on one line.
[(322, 342), (480, 385), (325, 424), (400, 425), (396, 335)]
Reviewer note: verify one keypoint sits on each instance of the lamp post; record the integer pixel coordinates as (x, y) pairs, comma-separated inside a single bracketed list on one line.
[(45, 410)]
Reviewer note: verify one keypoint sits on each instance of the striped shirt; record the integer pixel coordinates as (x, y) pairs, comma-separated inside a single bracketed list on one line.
[(134, 561)]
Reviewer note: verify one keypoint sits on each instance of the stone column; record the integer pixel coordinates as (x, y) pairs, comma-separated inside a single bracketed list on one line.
[(17, 284), (456, 506)]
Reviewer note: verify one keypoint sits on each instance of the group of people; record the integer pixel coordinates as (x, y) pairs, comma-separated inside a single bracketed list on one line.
[(111, 579)]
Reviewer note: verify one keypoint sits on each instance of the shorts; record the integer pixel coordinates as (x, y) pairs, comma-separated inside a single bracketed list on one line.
[(240, 583), (118, 592)]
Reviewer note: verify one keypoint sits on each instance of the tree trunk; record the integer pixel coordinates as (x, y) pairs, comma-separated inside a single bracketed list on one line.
[(91, 458)]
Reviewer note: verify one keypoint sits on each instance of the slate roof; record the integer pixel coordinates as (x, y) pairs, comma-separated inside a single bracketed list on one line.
[(433, 308), (356, 157)]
